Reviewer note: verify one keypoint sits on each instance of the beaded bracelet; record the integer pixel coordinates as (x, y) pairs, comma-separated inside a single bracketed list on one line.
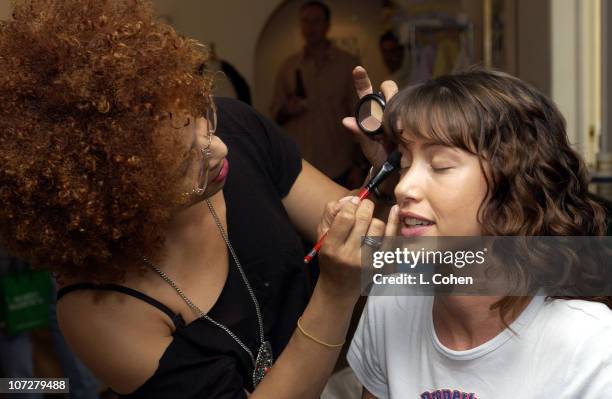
[(318, 341)]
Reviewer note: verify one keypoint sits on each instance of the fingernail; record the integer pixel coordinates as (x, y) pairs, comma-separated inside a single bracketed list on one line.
[(345, 199), (355, 200), (395, 209)]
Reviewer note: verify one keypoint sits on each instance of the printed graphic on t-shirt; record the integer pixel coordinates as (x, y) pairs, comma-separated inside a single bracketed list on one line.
[(447, 394)]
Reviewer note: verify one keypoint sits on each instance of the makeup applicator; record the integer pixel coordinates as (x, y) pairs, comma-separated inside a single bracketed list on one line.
[(390, 165)]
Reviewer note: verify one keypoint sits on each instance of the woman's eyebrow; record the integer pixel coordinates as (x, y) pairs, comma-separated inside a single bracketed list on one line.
[(185, 129), (407, 143)]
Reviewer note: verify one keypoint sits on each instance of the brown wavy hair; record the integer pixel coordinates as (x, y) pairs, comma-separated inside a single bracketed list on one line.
[(537, 184), (87, 88)]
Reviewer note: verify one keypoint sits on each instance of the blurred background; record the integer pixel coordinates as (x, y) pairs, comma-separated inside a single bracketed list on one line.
[(562, 47)]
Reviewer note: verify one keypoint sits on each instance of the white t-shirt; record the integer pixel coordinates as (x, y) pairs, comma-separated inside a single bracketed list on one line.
[(562, 350)]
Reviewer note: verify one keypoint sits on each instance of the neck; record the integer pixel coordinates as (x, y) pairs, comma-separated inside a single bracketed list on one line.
[(465, 322), (192, 235)]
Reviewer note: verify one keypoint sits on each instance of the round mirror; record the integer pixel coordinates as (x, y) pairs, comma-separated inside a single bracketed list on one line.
[(369, 114)]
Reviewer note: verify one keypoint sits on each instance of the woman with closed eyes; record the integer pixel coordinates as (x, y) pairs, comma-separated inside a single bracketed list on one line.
[(485, 154)]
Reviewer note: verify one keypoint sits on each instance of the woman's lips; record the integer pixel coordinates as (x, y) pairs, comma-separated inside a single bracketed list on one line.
[(222, 172), (413, 224), (414, 231)]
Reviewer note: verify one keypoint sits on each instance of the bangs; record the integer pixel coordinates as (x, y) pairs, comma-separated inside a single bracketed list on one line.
[(432, 113)]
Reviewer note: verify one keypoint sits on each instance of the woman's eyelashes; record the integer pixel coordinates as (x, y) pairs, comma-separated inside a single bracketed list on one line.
[(435, 164), (440, 166)]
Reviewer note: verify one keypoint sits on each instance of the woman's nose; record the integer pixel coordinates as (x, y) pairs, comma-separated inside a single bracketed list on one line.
[(410, 185), (219, 149)]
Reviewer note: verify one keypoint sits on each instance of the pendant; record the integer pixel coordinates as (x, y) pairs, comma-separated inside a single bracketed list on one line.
[(263, 363)]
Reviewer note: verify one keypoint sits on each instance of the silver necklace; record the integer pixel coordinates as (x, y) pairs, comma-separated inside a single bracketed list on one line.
[(263, 362)]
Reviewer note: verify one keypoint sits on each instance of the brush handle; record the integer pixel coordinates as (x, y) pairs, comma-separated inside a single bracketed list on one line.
[(363, 194)]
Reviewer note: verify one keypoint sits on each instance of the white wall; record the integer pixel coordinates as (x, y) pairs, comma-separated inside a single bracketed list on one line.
[(589, 77), (233, 25), (606, 43), (564, 30), (576, 70)]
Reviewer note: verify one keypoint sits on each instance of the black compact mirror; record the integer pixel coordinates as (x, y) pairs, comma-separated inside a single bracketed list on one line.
[(369, 114)]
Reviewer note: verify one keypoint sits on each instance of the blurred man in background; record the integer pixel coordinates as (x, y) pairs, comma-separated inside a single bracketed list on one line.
[(314, 91)]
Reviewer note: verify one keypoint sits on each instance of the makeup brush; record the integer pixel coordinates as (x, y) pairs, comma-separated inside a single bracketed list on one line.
[(391, 164)]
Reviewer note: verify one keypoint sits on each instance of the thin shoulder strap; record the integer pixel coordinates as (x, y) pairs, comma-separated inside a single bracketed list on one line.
[(177, 319)]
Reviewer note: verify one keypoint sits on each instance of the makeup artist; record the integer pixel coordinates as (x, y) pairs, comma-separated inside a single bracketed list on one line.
[(173, 236)]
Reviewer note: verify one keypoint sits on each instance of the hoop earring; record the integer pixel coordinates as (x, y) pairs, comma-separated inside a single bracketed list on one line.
[(201, 190)]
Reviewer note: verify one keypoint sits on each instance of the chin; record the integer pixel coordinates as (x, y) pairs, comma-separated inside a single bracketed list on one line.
[(211, 191)]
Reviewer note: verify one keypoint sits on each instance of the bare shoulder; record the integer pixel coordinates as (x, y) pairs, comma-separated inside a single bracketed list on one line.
[(119, 337)]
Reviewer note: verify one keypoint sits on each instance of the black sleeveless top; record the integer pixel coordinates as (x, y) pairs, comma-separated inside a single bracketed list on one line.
[(203, 361)]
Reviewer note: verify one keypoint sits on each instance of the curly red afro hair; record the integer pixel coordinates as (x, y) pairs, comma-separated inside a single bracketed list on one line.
[(86, 88)]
